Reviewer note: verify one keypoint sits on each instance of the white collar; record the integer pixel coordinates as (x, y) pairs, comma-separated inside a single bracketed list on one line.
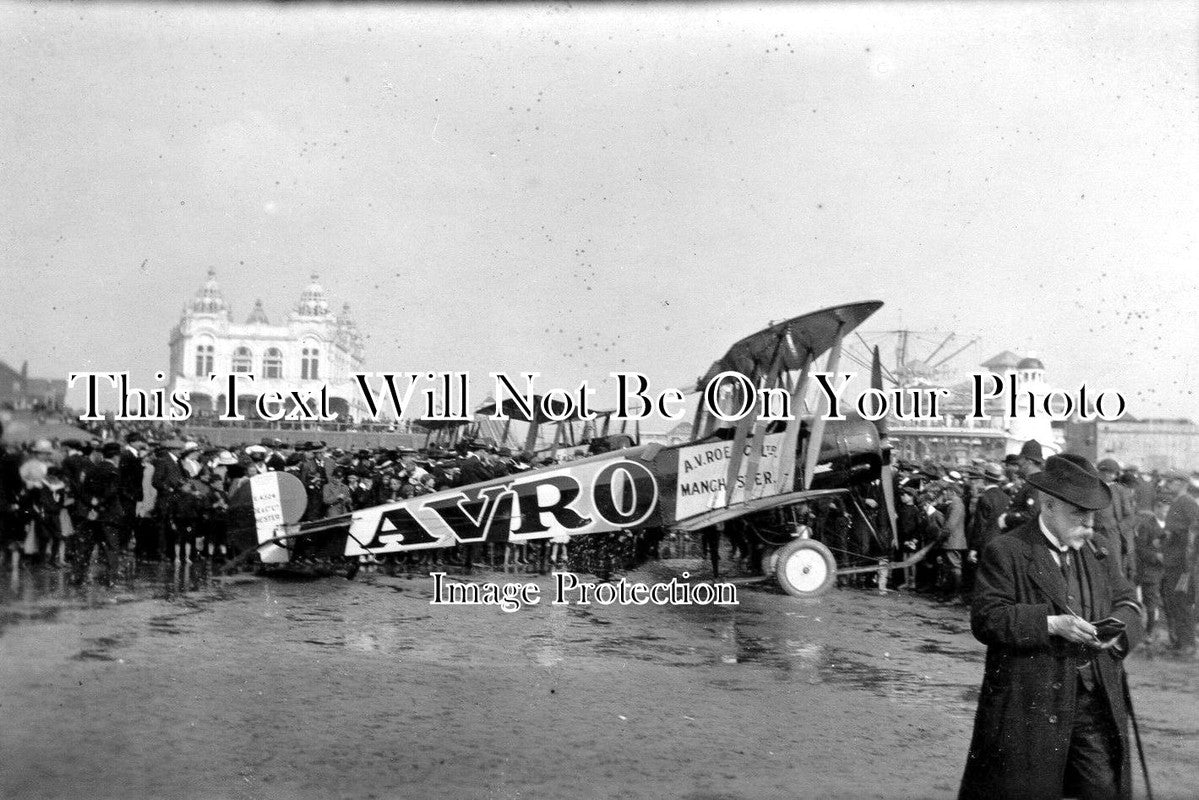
[(1053, 542)]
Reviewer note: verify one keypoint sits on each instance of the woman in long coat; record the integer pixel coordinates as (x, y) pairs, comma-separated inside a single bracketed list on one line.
[(1022, 730)]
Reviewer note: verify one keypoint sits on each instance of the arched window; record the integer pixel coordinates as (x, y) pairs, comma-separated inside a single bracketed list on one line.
[(242, 359), (272, 363), (310, 364), (203, 360)]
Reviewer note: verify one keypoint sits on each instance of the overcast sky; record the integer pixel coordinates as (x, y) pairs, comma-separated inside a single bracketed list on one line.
[(576, 190)]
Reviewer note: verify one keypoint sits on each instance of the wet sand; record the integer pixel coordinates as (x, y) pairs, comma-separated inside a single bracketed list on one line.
[(190, 686)]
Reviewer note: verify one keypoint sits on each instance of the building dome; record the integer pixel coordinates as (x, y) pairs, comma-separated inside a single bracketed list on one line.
[(209, 299), (312, 301), (258, 315), (1030, 363)]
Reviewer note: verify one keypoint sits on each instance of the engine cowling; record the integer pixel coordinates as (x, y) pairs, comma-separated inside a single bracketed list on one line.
[(851, 453)]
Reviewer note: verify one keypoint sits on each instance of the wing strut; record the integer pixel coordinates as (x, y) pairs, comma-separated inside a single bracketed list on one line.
[(812, 452)]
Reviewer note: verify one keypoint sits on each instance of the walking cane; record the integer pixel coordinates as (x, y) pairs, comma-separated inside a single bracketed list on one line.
[(1136, 732)]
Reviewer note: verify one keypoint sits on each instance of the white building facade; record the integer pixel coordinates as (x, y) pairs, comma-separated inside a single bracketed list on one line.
[(313, 349), (956, 437)]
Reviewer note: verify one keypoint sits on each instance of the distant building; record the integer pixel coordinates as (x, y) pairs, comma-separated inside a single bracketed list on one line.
[(956, 437), (20, 392), (1147, 443), (312, 348)]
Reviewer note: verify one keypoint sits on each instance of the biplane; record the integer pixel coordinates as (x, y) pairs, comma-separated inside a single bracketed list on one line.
[(522, 432), (750, 470)]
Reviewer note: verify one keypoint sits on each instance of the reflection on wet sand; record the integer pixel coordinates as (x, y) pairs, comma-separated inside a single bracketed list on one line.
[(247, 657), (40, 594)]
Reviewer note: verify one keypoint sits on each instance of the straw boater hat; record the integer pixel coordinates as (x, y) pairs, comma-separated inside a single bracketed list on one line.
[(1074, 479)]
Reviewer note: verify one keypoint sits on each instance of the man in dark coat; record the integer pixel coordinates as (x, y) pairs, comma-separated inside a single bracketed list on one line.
[(314, 474), (1024, 502), (1115, 523), (991, 505), (104, 515), (1178, 561), (167, 482), (130, 471), (1051, 713), (1151, 534)]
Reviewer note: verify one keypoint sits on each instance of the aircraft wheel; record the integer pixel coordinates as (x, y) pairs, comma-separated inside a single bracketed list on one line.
[(805, 568), (769, 559)]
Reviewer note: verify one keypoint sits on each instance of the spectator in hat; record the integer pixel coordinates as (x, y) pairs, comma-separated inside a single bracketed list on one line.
[(908, 525), (258, 460), (1024, 502), (335, 494), (103, 516), (932, 532), (1052, 719), (1144, 487), (1115, 523), (27, 518), (1178, 562), (275, 461), (1011, 472), (167, 483), (955, 546), (1150, 537), (74, 465), (314, 474), (989, 509), (191, 504), (54, 523), (364, 493), (130, 470)]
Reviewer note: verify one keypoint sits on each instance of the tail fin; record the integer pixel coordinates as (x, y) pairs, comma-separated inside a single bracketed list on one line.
[(260, 508)]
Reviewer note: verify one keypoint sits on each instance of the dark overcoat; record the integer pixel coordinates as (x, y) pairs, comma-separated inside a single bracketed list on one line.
[(1026, 705), (992, 503)]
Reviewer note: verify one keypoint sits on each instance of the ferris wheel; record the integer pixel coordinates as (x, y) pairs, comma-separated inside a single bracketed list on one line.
[(914, 358)]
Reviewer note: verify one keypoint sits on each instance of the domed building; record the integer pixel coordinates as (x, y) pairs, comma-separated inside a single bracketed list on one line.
[(311, 348)]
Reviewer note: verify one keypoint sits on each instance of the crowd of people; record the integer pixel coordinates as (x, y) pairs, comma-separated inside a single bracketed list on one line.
[(154, 495), (1149, 528)]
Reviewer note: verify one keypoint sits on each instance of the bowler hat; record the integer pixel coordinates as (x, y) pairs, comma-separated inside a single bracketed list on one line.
[(110, 449), (1072, 478), (1108, 465), (1032, 451)]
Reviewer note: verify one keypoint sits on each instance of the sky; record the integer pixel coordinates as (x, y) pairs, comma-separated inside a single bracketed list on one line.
[(578, 189)]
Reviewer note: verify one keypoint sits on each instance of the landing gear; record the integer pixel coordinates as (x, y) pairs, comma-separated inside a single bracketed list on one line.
[(804, 568)]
